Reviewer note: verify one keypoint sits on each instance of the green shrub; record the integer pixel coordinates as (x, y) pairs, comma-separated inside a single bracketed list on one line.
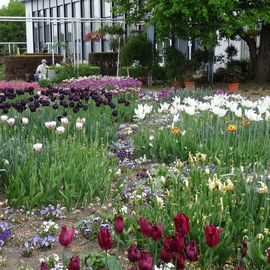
[(45, 83), (87, 70), (247, 73), (159, 73), (174, 61), (69, 71), (219, 75), (107, 61), (134, 72), (137, 48), (2, 73)]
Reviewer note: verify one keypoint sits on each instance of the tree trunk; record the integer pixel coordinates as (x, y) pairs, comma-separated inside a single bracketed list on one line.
[(260, 57), (262, 67)]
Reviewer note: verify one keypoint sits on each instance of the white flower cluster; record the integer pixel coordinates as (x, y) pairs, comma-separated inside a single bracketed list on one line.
[(48, 227), (167, 266), (219, 105)]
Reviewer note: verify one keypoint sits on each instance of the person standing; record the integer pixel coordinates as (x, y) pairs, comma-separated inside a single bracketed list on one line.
[(41, 72)]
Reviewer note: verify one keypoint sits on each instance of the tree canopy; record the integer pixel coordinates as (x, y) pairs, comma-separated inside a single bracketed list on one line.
[(202, 19), (13, 31)]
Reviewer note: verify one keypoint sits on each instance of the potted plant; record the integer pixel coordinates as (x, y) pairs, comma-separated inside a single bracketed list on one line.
[(189, 73), (233, 76)]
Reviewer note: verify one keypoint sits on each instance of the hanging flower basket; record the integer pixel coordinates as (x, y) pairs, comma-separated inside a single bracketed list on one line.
[(94, 36)]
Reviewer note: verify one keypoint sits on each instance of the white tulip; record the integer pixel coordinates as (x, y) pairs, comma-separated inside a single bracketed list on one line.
[(25, 121), (37, 147), (60, 130), (64, 121), (79, 125), (11, 121), (50, 125), (4, 118)]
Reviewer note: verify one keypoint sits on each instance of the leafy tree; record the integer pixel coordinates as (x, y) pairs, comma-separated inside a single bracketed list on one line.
[(13, 31), (137, 48), (249, 19)]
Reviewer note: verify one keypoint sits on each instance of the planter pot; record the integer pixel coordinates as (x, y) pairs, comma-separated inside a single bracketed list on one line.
[(233, 87), (51, 74), (189, 85)]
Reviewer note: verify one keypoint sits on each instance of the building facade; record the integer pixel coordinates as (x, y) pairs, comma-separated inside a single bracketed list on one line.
[(67, 36)]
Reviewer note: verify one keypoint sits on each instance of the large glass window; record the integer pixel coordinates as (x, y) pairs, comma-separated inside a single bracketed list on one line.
[(68, 13), (47, 26), (53, 3), (40, 5), (34, 5), (61, 26)]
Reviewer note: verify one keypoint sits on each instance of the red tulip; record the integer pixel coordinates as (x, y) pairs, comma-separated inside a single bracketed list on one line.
[(180, 263), (244, 249), (146, 227), (44, 266), (104, 239), (165, 254), (134, 253), (268, 255), (181, 223), (212, 234), (118, 224), (74, 263), (66, 236), (145, 262), (167, 242), (192, 251), (157, 232), (177, 242)]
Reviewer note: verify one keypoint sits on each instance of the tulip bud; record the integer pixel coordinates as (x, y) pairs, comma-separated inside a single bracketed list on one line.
[(145, 262), (212, 235), (104, 239), (60, 130), (79, 126), (44, 266), (157, 232), (37, 147), (4, 118), (145, 227), (118, 224), (134, 253), (181, 222), (165, 254), (268, 255), (244, 249), (180, 262), (192, 251), (25, 121), (11, 121), (66, 236), (74, 263), (64, 121)]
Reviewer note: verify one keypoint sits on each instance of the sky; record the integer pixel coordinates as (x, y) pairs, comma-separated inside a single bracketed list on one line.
[(3, 2)]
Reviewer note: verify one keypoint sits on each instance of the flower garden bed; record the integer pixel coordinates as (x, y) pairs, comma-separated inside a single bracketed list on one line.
[(147, 180)]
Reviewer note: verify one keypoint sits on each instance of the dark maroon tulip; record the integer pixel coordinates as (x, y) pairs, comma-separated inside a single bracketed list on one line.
[(165, 254), (66, 236), (167, 242), (181, 223), (244, 249), (192, 251), (134, 253), (240, 267), (177, 242), (119, 224), (157, 232), (44, 266), (268, 255), (145, 262), (74, 263), (146, 227), (212, 235), (180, 262), (105, 239)]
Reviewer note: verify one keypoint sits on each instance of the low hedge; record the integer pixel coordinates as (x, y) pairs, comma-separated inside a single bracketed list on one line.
[(23, 67), (134, 72), (69, 71), (107, 61)]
